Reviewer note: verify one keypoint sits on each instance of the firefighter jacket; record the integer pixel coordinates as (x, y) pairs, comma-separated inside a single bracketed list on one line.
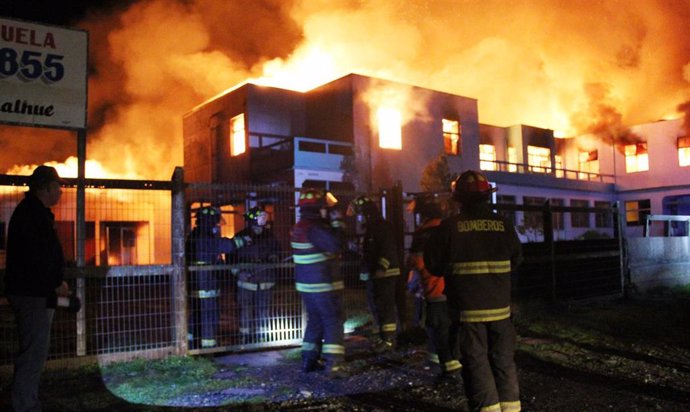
[(476, 252), (206, 248), (316, 246), (432, 286), (253, 272), (35, 261), (379, 251)]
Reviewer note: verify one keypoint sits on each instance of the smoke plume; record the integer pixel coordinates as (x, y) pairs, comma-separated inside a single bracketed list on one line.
[(574, 66)]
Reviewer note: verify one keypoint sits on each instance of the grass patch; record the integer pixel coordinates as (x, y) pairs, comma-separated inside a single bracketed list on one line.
[(159, 382)]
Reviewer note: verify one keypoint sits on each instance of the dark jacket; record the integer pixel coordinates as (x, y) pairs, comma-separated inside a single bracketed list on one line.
[(316, 247), (35, 261), (264, 248), (476, 251), (380, 250)]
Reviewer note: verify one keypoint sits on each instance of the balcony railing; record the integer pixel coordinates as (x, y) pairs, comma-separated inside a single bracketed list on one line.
[(521, 168)]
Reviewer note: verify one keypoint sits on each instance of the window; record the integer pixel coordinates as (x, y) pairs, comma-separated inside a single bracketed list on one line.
[(636, 158), (237, 135), (559, 166), (603, 219), (508, 214), (534, 219), (636, 210), (452, 135), (557, 217), (579, 219), (684, 151), (512, 159), (539, 159), (390, 128), (487, 157), (588, 164)]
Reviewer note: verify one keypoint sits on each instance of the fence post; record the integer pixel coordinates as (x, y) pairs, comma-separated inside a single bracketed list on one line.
[(80, 287), (178, 282)]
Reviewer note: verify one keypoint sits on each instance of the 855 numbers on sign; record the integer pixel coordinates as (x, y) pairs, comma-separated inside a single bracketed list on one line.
[(31, 65)]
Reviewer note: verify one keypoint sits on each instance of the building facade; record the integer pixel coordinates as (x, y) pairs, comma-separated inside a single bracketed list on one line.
[(364, 134)]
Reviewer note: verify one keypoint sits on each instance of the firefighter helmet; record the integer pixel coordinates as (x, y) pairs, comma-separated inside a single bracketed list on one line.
[(427, 206), (471, 186), (362, 205), (316, 199), (208, 216), (257, 216)]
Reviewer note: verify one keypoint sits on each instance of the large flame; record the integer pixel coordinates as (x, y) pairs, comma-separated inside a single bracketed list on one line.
[(571, 66)]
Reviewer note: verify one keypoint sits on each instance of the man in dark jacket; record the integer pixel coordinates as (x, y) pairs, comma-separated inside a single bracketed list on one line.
[(255, 276), (476, 251), (380, 269), (317, 241), (33, 281)]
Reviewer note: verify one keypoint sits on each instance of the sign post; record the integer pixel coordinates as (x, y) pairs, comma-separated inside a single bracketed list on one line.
[(43, 83)]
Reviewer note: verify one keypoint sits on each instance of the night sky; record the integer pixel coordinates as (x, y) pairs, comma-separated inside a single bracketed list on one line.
[(62, 13)]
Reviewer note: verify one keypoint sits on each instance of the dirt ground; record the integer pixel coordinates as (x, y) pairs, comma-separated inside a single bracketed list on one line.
[(613, 355)]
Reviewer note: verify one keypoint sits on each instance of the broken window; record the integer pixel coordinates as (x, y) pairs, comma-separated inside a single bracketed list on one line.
[(487, 157), (237, 135), (539, 159), (636, 158), (588, 164), (390, 128), (452, 134)]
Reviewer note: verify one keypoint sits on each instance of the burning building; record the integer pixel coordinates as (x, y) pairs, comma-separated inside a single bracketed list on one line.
[(365, 133)]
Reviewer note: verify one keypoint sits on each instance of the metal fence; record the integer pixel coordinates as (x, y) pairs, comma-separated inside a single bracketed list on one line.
[(140, 298)]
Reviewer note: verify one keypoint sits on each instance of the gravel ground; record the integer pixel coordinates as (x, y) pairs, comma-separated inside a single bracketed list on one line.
[(605, 356)]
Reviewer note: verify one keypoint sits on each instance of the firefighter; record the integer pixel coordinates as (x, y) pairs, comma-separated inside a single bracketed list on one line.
[(205, 247), (442, 339), (380, 270), (317, 240), (255, 281), (476, 252)]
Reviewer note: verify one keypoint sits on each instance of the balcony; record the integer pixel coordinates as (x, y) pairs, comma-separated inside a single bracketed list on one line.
[(558, 173), (274, 153)]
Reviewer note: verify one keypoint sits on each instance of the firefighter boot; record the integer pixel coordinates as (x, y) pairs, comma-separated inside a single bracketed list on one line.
[(338, 370), (311, 365), (380, 346)]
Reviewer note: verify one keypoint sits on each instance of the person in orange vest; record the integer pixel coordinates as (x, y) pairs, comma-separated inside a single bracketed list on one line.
[(442, 336), (476, 251)]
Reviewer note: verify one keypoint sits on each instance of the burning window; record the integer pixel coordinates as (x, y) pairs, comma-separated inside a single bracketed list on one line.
[(390, 128), (237, 135), (588, 164), (487, 157), (636, 210), (684, 151), (539, 159), (512, 159), (452, 133), (559, 166), (636, 158)]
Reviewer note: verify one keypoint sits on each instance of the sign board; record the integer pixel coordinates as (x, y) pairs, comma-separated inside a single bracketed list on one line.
[(43, 75)]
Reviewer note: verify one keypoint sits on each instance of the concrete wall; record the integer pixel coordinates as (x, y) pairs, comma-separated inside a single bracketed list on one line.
[(659, 261)]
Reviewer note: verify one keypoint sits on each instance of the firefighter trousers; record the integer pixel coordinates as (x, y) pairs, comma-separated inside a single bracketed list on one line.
[(490, 374), (381, 295), (324, 336), (441, 341)]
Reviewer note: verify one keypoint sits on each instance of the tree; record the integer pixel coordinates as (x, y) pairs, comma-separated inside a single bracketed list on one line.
[(436, 176)]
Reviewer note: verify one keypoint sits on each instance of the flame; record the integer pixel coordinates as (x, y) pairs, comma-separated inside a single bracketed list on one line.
[(154, 60), (92, 169)]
